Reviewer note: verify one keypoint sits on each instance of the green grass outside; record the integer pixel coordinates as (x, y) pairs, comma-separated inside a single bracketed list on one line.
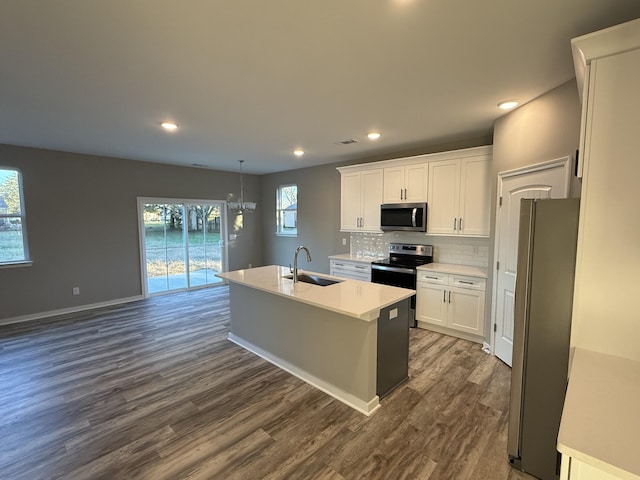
[(165, 252), (11, 246)]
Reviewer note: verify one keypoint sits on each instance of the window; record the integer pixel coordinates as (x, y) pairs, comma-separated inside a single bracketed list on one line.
[(287, 210), (13, 235)]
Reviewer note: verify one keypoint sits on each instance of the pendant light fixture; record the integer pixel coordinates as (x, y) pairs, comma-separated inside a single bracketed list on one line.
[(241, 206)]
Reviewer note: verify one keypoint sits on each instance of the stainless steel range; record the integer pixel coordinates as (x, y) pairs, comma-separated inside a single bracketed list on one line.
[(399, 270)]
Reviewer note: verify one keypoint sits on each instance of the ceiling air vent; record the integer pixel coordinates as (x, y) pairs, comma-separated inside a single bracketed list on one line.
[(346, 142)]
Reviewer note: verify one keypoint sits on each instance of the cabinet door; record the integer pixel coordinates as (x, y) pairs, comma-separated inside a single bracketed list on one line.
[(393, 185), (371, 200), (582, 471), (443, 197), (415, 181), (466, 310), (475, 201), (350, 201), (430, 303)]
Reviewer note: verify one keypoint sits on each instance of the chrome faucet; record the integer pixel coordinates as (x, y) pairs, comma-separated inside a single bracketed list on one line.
[(295, 261)]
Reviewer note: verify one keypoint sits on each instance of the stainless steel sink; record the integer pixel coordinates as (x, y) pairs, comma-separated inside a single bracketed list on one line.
[(313, 279)]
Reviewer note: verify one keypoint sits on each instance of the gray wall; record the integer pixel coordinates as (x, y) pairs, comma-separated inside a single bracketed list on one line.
[(544, 129), (82, 225), (319, 208), (318, 217)]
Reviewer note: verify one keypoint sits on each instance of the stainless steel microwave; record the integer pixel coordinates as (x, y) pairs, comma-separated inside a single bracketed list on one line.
[(406, 217)]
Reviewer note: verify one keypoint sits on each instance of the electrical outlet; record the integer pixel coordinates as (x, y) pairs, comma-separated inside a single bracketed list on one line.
[(250, 265), (344, 242), (476, 250), (76, 290)]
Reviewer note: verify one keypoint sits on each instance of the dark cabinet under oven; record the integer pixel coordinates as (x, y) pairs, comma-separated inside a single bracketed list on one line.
[(399, 270)]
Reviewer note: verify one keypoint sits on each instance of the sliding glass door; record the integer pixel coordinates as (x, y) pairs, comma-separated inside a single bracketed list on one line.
[(182, 243)]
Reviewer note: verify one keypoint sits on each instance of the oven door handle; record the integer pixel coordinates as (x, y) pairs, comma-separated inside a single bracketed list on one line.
[(394, 269)]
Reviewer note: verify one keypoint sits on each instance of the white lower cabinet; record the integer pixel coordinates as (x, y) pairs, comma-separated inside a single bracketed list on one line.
[(573, 469), (451, 304), (350, 269)]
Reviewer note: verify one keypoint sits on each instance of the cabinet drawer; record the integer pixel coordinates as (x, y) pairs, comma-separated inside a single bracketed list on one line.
[(467, 282), (354, 270), (432, 277)]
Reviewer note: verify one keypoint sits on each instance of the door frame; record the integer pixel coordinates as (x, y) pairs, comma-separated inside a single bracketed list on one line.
[(563, 162), (184, 201)]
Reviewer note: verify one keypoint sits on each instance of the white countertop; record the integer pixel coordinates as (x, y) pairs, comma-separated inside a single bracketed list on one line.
[(455, 269), (353, 298), (601, 417), (354, 258)]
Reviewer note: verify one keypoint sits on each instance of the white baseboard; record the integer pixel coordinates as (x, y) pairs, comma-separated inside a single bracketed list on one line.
[(62, 311), (354, 402), (449, 331)]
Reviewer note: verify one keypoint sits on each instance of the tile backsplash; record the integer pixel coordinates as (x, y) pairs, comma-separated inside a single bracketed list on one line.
[(456, 250)]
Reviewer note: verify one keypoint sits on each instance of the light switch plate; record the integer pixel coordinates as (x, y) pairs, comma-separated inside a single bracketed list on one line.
[(393, 313)]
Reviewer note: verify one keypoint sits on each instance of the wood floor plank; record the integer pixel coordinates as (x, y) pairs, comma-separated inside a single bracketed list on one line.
[(154, 390)]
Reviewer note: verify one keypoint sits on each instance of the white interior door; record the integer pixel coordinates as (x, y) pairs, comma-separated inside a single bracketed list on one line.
[(549, 180)]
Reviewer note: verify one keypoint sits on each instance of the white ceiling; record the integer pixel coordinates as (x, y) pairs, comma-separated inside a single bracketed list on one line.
[(254, 79)]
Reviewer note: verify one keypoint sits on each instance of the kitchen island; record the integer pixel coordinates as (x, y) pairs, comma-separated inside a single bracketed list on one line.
[(349, 339)]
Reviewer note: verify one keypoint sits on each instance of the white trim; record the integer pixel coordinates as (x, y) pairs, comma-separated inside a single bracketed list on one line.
[(21, 263), (63, 311), (449, 331), (430, 157), (563, 162), (367, 408)]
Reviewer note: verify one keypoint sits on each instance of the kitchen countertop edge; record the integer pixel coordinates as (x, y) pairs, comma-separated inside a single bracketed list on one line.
[(353, 298), (348, 257), (455, 269), (600, 424)]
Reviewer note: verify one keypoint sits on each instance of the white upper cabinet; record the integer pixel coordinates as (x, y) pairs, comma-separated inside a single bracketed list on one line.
[(475, 196), (604, 316), (455, 184), (406, 184), (459, 196), (444, 197), (361, 196), (351, 201)]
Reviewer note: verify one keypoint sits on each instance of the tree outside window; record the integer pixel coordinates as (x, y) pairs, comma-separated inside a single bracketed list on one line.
[(287, 210), (13, 237)]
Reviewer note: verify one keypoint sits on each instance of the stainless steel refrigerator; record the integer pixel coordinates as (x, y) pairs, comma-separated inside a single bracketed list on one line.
[(542, 323)]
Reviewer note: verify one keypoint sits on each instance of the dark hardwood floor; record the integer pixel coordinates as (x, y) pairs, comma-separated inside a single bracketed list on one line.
[(154, 390)]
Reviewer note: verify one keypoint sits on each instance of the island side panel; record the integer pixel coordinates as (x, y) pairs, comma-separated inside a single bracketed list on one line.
[(335, 348)]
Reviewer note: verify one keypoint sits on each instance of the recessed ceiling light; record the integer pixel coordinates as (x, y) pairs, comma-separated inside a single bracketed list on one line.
[(298, 152), (169, 126), (373, 135), (508, 104)]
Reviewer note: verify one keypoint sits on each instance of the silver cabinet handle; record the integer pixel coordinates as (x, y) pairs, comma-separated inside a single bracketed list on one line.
[(467, 283), (339, 264), (405, 193), (432, 278), (401, 196), (360, 267), (460, 224), (444, 295), (455, 223), (449, 296)]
